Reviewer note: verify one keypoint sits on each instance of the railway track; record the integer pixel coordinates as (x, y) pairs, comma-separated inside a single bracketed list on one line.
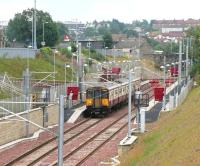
[(46, 153), (94, 144), (52, 141), (88, 143), (80, 142)]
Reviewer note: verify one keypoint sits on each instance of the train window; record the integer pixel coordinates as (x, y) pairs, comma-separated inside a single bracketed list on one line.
[(111, 94), (97, 94), (124, 90), (89, 94), (104, 94), (116, 91), (120, 91)]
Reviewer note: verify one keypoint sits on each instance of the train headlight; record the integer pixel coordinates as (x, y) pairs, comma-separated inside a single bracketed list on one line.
[(105, 102), (89, 102)]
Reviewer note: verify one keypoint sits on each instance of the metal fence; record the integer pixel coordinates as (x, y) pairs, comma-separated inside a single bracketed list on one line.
[(113, 52), (11, 105), (16, 105)]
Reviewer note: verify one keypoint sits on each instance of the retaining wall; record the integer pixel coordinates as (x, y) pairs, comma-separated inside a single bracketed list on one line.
[(17, 52), (13, 128)]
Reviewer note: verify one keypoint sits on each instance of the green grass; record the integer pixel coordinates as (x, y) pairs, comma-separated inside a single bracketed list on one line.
[(172, 140), (15, 68), (151, 142)]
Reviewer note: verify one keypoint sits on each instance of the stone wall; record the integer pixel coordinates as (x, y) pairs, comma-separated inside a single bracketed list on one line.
[(13, 128)]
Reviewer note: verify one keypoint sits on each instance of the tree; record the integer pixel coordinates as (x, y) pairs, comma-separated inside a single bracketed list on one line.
[(116, 26), (20, 28), (90, 31), (103, 30), (107, 39), (131, 33), (194, 33), (62, 30)]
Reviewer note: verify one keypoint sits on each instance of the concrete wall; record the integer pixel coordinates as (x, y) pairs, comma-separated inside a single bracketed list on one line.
[(14, 128), (17, 52)]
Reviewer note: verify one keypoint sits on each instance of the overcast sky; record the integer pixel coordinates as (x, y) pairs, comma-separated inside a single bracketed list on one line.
[(89, 10)]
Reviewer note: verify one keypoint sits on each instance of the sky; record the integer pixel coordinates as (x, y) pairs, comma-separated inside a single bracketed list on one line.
[(90, 10)]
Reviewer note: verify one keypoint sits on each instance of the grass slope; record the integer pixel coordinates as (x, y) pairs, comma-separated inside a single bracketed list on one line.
[(15, 67), (172, 141)]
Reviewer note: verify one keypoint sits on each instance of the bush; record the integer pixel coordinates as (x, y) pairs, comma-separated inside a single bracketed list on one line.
[(46, 51), (66, 52)]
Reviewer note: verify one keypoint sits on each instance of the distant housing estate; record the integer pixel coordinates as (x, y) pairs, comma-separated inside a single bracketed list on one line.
[(172, 30), (74, 26), (166, 26)]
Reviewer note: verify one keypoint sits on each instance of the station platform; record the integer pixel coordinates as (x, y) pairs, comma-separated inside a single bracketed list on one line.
[(75, 113)]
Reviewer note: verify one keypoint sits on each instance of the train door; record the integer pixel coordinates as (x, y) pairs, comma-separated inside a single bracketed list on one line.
[(97, 98)]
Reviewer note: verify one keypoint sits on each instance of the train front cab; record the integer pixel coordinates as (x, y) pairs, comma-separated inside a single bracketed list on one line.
[(97, 101)]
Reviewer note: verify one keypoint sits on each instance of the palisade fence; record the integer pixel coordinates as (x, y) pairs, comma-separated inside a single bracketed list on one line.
[(14, 107), (20, 107), (113, 52)]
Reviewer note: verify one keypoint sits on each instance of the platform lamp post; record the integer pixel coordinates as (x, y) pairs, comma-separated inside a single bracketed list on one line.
[(137, 98), (89, 46), (164, 82), (28, 55), (114, 54), (129, 105), (66, 66), (43, 42), (35, 31), (174, 70), (163, 68), (106, 53), (54, 73), (84, 73)]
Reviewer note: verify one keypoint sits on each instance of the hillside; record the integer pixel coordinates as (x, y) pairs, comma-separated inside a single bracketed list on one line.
[(15, 67), (174, 140)]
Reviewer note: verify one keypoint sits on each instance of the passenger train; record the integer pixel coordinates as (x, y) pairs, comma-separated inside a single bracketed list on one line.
[(100, 99)]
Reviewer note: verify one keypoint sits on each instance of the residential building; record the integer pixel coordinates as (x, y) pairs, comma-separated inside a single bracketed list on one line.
[(166, 26), (74, 26)]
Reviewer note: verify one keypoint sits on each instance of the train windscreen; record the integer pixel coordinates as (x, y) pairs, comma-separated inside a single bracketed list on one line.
[(89, 94), (104, 94), (97, 94)]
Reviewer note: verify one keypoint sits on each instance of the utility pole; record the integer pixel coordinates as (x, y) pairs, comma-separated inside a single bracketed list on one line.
[(129, 105), (139, 45), (27, 98), (186, 66), (77, 53), (164, 97), (61, 131), (80, 70), (180, 62), (32, 44), (89, 45), (35, 42)]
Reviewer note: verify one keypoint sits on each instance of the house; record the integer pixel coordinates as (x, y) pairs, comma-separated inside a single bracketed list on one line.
[(166, 26)]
